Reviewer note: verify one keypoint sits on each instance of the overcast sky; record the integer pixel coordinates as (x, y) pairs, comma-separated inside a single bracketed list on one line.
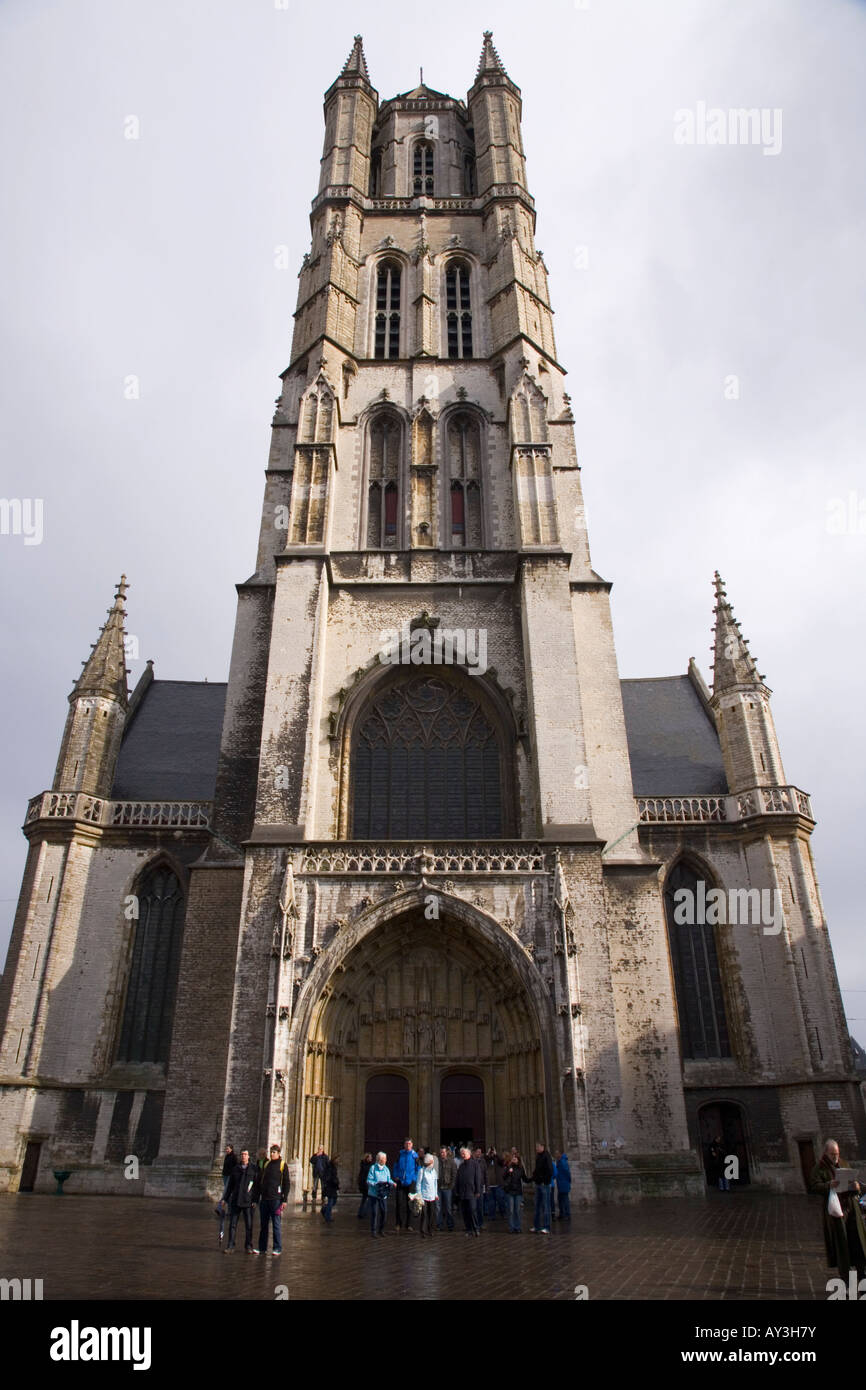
[(673, 269)]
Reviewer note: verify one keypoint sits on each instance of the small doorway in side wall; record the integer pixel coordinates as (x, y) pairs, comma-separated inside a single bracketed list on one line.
[(724, 1120), (30, 1167), (807, 1159)]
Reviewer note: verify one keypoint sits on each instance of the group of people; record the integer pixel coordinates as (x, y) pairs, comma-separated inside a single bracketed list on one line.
[(247, 1184), (481, 1185)]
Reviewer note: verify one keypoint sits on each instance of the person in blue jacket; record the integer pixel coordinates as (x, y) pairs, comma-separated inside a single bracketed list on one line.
[(563, 1186), (405, 1176)]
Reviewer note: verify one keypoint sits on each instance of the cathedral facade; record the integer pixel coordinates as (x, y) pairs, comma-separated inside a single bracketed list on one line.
[(424, 865)]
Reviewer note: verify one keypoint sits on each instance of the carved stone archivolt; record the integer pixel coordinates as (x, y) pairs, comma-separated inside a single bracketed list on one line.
[(423, 999)]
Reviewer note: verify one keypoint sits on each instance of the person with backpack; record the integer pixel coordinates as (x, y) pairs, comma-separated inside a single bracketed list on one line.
[(273, 1191)]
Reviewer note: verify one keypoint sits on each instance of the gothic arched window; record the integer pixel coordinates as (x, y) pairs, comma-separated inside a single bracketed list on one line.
[(469, 187), (388, 309), (148, 1013), (383, 481), (422, 170), (463, 526), (426, 763), (458, 310), (375, 173), (700, 1000)]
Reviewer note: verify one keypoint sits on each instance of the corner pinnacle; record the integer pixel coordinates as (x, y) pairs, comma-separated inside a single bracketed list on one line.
[(733, 663)]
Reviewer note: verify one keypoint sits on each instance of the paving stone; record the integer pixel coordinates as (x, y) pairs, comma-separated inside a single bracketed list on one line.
[(730, 1246)]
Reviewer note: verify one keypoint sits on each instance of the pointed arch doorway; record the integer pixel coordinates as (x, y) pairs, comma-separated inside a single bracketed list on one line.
[(424, 1027)]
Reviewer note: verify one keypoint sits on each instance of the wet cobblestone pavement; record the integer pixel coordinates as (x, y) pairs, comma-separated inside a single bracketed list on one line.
[(749, 1245)]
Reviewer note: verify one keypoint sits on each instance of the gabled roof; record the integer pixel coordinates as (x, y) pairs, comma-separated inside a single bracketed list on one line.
[(672, 740), (170, 747)]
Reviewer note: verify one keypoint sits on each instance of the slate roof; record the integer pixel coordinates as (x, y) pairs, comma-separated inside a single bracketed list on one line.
[(672, 741), (171, 745)]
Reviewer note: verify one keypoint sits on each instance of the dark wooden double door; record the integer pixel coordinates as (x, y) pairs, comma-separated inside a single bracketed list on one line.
[(388, 1111)]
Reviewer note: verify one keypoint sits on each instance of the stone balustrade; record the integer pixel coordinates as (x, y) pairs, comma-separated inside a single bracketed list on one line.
[(143, 815), (755, 801)]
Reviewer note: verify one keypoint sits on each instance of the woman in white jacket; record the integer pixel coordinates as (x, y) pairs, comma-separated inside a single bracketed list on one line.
[(427, 1187)]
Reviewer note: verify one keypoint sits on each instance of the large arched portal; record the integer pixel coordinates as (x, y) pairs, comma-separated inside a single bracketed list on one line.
[(422, 1001)]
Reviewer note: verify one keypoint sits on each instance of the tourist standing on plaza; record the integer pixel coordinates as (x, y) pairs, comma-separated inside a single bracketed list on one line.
[(379, 1184), (563, 1186), (844, 1232), (427, 1187), (513, 1178), (495, 1196), (467, 1190), (447, 1175), (274, 1191), (405, 1176), (716, 1165), (319, 1164), (542, 1176), (481, 1164), (229, 1162), (243, 1194), (363, 1170), (330, 1188)]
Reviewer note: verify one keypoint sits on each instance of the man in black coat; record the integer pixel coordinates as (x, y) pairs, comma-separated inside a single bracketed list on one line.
[(273, 1193), (542, 1176), (845, 1235), (467, 1190), (242, 1196), (447, 1176)]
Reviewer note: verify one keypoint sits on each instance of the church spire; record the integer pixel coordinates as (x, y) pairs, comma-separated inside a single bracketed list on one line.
[(356, 63), (104, 671), (733, 663), (490, 60)]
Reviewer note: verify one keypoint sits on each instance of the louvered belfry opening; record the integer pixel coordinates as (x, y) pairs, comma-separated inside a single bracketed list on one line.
[(427, 764)]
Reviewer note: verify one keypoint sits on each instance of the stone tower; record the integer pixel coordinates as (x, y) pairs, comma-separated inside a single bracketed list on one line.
[(409, 916)]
